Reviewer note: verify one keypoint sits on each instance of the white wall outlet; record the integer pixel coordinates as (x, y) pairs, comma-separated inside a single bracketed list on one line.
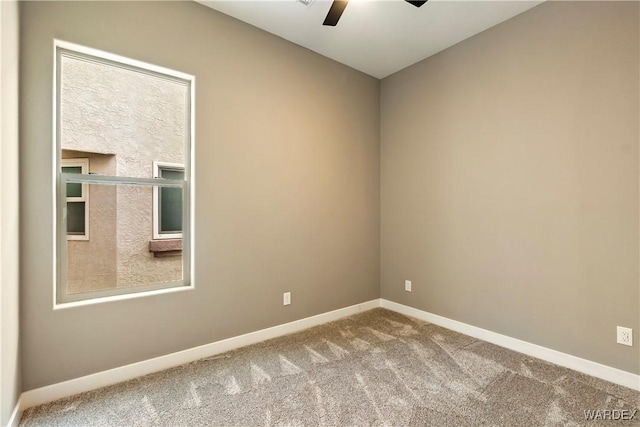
[(407, 285), (625, 336), (286, 298)]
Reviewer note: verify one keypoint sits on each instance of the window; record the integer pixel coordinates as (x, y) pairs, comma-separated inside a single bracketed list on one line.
[(167, 202), (77, 200), (120, 116)]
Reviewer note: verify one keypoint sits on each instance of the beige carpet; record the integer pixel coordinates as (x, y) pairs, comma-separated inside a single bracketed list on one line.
[(375, 368)]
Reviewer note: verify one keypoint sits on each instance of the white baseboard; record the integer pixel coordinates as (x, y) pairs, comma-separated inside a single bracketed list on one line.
[(16, 415), (112, 376), (614, 375), (52, 392)]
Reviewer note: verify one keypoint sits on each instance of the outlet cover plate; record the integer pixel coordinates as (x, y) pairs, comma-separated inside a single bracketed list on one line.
[(407, 285), (625, 336), (286, 298)]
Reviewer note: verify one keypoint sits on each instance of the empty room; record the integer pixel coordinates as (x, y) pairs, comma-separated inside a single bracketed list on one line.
[(317, 212)]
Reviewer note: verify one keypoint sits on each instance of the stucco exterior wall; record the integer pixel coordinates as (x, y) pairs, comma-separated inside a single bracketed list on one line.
[(123, 121)]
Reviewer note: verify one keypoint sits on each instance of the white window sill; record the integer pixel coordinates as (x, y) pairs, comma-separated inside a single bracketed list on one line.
[(92, 301)]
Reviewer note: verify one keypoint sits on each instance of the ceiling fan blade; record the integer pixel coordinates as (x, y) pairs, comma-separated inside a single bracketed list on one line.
[(416, 3), (337, 7)]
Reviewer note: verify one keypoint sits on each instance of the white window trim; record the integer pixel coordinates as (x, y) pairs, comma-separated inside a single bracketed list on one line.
[(83, 163), (62, 300), (157, 166)]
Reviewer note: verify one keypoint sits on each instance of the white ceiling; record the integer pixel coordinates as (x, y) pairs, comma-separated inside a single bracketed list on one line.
[(377, 37)]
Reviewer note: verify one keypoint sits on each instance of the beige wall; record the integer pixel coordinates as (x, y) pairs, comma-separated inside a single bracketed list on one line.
[(10, 385), (509, 180), (509, 183), (287, 196)]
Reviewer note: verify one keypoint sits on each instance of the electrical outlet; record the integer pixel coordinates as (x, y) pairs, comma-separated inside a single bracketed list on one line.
[(625, 336), (286, 298), (407, 285)]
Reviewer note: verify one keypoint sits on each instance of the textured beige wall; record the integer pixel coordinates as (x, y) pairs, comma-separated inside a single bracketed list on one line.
[(138, 119), (10, 381), (509, 180), (287, 196)]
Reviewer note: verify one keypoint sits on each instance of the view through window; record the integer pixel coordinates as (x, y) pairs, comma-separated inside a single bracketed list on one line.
[(77, 200), (123, 144)]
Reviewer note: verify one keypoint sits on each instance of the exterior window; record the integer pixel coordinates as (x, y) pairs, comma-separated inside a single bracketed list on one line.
[(77, 200), (121, 116), (167, 202)]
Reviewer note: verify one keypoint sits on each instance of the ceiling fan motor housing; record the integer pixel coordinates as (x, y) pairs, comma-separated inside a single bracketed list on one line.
[(338, 6)]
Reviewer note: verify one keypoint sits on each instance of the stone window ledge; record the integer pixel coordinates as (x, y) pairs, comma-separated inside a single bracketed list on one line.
[(165, 247)]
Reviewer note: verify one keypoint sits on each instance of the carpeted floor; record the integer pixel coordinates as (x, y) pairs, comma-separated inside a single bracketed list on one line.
[(375, 368)]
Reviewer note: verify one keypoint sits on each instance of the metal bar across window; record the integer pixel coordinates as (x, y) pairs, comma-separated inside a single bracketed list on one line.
[(120, 180)]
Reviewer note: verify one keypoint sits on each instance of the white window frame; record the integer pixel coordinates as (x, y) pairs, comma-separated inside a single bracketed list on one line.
[(83, 163), (157, 167), (62, 299)]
